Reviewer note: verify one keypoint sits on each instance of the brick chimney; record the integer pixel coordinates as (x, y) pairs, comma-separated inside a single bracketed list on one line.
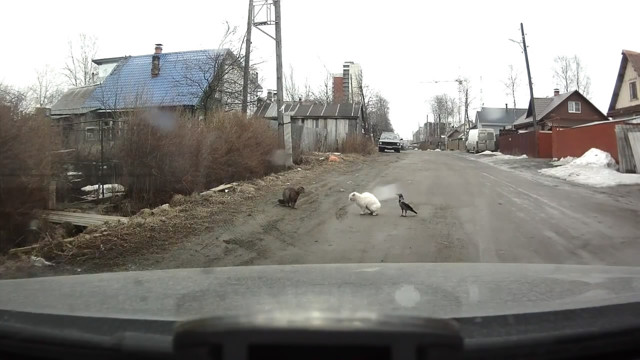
[(155, 61), (556, 92)]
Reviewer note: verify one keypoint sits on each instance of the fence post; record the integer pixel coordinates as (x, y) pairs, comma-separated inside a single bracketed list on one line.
[(288, 148), (51, 204)]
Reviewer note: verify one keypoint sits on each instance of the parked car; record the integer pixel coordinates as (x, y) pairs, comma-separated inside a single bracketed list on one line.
[(481, 140), (389, 141)]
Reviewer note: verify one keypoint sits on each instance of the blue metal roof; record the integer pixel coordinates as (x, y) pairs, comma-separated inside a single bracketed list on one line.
[(182, 78)]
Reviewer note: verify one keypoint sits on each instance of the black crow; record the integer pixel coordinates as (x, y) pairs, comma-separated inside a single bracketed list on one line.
[(404, 207)]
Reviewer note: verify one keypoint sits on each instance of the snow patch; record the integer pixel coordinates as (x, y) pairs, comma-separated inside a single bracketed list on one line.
[(510, 157), (107, 188), (595, 168), (487, 152), (96, 191), (563, 161)]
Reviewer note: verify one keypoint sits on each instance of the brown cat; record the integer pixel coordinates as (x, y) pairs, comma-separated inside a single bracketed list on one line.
[(290, 196)]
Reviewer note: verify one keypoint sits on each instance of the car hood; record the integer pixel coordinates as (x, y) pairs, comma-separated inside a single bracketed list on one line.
[(433, 290)]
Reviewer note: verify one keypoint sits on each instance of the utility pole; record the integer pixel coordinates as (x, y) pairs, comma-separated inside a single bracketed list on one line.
[(532, 101), (284, 130), (287, 134), (247, 61), (100, 184)]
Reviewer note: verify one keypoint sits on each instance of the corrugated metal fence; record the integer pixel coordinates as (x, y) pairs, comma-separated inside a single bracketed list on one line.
[(628, 141)]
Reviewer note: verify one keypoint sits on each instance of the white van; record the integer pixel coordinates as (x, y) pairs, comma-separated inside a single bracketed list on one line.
[(480, 140)]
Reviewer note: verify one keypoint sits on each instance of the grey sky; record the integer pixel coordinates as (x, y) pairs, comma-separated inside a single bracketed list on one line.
[(399, 44)]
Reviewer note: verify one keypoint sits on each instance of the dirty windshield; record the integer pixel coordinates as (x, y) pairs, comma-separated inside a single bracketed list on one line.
[(241, 134), (389, 136)]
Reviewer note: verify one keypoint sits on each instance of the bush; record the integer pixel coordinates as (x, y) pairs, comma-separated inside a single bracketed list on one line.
[(358, 144), (26, 142), (163, 154)]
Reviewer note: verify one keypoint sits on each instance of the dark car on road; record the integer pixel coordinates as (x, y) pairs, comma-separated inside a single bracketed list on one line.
[(389, 141)]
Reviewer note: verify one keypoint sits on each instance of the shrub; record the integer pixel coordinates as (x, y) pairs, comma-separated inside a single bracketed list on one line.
[(358, 144), (163, 153), (26, 142)]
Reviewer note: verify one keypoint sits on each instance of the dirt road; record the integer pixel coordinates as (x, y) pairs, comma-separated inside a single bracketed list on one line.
[(469, 211)]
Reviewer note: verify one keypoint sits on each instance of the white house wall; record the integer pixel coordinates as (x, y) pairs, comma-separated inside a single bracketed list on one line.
[(624, 99)]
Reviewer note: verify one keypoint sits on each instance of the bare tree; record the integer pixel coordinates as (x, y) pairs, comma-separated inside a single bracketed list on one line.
[(582, 80), (464, 87), (46, 90), (291, 90), (444, 109), (564, 73), (378, 110), (512, 84), (80, 69), (217, 78), (15, 100), (570, 75), (323, 94)]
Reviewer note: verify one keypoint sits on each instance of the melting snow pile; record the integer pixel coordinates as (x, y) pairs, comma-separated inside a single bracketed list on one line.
[(563, 161), (594, 168)]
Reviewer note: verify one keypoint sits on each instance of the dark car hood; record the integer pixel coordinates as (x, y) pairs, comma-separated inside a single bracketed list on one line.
[(434, 290)]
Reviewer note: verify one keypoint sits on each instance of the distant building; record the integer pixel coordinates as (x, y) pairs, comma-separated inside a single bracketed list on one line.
[(498, 118), (351, 81), (317, 127), (338, 89)]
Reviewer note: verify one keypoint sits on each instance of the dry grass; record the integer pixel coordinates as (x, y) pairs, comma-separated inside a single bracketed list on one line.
[(115, 246), (166, 153), (358, 144), (26, 142)]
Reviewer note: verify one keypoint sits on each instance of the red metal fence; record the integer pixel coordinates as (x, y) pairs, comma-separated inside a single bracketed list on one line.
[(578, 140), (522, 144)]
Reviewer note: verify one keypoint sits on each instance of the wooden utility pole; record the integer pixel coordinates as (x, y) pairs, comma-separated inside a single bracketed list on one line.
[(532, 101), (280, 95), (284, 130), (247, 61), (100, 184)]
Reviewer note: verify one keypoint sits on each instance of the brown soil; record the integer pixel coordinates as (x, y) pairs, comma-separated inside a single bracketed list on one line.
[(155, 234)]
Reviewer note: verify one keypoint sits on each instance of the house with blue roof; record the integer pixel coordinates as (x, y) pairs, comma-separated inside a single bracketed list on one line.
[(198, 81)]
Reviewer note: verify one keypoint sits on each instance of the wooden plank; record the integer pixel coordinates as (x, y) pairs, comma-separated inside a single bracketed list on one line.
[(80, 219), (634, 142), (625, 153)]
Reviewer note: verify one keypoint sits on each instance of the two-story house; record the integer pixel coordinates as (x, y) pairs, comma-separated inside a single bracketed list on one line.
[(625, 102)]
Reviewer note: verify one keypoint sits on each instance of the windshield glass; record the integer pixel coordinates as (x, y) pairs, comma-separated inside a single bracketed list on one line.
[(358, 137), (389, 137)]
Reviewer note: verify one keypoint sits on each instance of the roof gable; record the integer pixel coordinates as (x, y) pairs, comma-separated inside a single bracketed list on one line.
[(544, 106), (628, 57), (182, 78)]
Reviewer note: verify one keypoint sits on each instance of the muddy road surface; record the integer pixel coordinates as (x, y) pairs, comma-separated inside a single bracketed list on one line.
[(468, 211)]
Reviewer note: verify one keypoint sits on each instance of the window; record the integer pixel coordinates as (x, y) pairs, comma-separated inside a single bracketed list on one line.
[(91, 133), (633, 91), (574, 107)]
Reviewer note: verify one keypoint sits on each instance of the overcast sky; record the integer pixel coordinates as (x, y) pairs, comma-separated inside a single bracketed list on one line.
[(401, 45)]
